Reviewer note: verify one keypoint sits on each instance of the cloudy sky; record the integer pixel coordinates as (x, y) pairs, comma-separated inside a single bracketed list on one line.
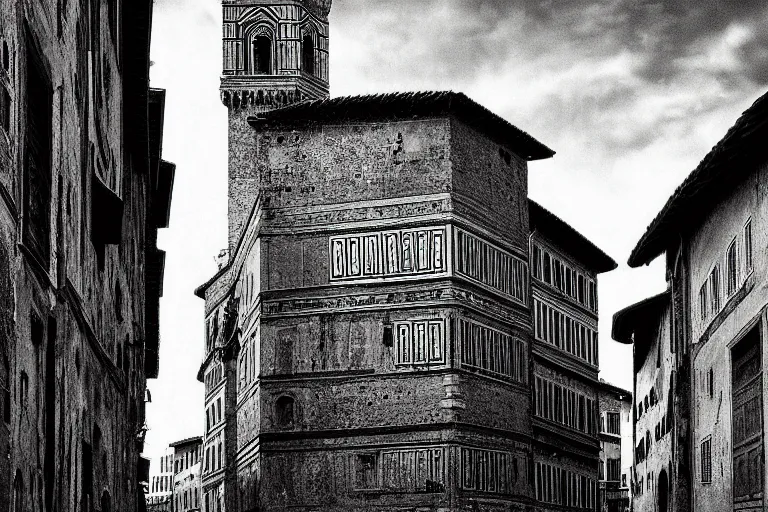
[(630, 93)]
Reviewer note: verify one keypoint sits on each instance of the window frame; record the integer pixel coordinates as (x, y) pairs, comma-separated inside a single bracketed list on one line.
[(748, 247), (731, 268), (704, 301), (705, 459), (714, 289)]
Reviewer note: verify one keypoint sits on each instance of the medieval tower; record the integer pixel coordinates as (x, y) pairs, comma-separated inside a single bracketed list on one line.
[(370, 341), (275, 54)]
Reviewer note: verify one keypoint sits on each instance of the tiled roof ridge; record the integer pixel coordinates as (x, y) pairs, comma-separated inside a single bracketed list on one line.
[(411, 105)]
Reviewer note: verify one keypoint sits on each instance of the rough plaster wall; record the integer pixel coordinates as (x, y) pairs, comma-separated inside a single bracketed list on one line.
[(627, 443), (660, 454), (345, 341), (495, 405), (708, 245), (620, 448), (346, 404)]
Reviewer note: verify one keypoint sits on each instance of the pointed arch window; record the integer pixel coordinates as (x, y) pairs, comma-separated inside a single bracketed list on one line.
[(261, 55), (308, 55)]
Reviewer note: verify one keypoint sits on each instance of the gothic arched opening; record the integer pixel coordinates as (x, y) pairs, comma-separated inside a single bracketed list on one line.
[(663, 491), (106, 502), (308, 55), (261, 55)]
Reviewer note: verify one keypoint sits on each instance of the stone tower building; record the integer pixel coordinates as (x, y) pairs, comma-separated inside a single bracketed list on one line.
[(275, 54), (370, 341)]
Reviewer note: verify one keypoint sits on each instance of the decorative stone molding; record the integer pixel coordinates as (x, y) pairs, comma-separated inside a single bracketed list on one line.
[(242, 98), (316, 305), (453, 403)]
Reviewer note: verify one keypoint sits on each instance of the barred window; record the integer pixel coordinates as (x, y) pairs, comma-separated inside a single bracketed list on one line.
[(557, 403), (613, 424), (491, 266), (487, 470), (613, 469), (401, 470), (557, 328), (561, 275), (703, 302), (414, 470), (365, 467), (706, 461), (732, 268), (420, 342), (388, 254), (714, 289), (536, 262), (560, 486), (491, 351), (748, 246)]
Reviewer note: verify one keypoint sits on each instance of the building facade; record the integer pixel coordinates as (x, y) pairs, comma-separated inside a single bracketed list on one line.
[(83, 191), (370, 341), (615, 470), (187, 457), (160, 488), (564, 268), (709, 330), (174, 484)]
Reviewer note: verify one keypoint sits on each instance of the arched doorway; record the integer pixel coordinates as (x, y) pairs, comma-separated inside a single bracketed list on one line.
[(663, 491)]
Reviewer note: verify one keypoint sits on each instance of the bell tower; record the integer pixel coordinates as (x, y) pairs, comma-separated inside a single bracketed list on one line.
[(275, 52)]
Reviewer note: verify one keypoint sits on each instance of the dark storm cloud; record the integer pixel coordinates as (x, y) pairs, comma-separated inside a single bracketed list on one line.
[(468, 37)]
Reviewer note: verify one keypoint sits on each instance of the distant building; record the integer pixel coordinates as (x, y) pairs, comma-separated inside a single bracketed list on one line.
[(83, 192), (397, 325), (648, 326), (615, 448), (186, 479), (175, 481), (161, 483), (698, 347), (564, 267)]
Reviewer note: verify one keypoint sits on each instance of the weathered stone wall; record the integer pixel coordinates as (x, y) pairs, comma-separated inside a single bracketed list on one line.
[(334, 163), (311, 336), (72, 324), (489, 185), (7, 351)]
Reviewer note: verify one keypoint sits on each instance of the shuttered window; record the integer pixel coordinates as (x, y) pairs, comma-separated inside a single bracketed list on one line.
[(37, 157)]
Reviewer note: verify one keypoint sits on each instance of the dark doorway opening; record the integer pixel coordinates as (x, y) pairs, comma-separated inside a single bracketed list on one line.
[(663, 491)]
